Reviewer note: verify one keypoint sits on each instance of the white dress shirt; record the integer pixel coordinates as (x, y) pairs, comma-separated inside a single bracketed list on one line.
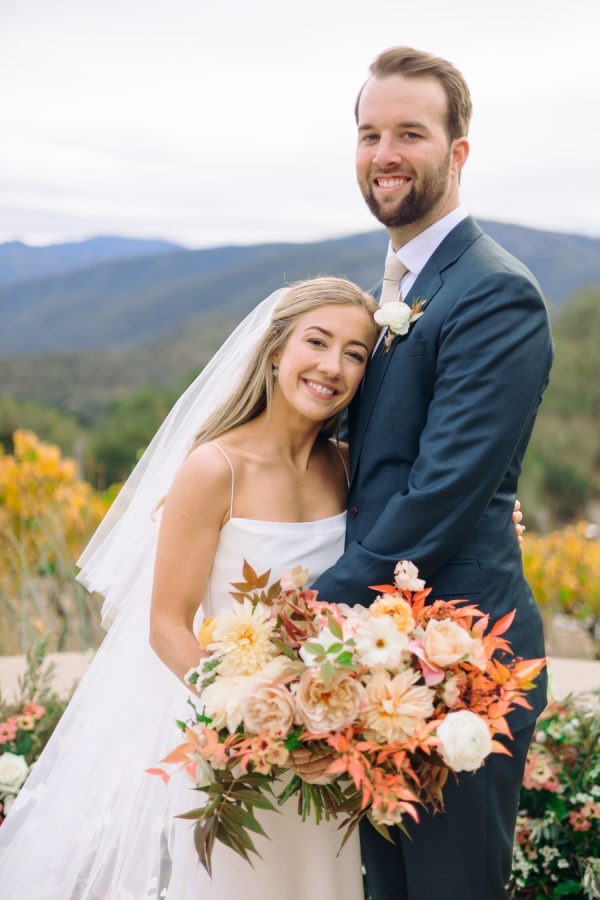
[(416, 252)]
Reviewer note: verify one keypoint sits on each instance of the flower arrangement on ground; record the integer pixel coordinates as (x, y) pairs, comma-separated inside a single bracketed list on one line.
[(398, 694), (557, 846)]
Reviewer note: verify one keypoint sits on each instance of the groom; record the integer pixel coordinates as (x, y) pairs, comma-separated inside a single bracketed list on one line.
[(437, 440)]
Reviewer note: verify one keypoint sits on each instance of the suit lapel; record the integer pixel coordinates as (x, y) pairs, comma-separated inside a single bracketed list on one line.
[(425, 288)]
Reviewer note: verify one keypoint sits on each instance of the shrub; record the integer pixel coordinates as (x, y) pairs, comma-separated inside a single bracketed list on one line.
[(557, 842)]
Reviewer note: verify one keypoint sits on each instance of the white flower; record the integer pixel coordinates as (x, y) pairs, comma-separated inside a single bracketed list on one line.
[(13, 772), (269, 706), (328, 706), (466, 740), (379, 643), (446, 642), (451, 692), (396, 316), (243, 636), (395, 705), (223, 700), (405, 577)]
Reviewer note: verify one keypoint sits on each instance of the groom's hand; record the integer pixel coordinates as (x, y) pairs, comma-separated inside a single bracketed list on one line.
[(312, 768)]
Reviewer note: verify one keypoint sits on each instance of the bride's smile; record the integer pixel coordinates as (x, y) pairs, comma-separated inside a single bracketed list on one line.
[(323, 361)]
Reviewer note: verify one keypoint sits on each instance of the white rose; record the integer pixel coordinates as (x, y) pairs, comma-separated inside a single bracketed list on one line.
[(446, 642), (466, 741), (396, 316), (13, 771)]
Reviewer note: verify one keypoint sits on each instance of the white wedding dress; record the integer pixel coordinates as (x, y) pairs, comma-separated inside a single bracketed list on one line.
[(91, 824)]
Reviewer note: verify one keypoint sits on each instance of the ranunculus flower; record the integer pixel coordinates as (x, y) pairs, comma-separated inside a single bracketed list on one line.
[(379, 643), (331, 706), (395, 606), (269, 706), (465, 740), (13, 772), (294, 579), (445, 642), (396, 704), (405, 576)]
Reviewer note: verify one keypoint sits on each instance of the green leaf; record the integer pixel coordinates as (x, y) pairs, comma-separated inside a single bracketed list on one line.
[(335, 648), (344, 659), (254, 798), (327, 672), (568, 888), (334, 627), (284, 648), (315, 648)]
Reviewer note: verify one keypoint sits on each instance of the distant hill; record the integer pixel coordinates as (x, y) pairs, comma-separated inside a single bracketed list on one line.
[(142, 299), (20, 262)]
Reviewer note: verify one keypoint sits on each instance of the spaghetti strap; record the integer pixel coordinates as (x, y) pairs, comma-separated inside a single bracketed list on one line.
[(218, 446), (341, 456)]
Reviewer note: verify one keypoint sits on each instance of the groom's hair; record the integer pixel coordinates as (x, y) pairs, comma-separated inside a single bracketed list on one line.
[(416, 64)]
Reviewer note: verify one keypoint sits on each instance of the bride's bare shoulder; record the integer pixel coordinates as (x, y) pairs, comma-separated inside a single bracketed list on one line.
[(204, 480)]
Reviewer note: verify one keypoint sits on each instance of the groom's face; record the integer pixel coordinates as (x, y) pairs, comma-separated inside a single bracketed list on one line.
[(406, 165)]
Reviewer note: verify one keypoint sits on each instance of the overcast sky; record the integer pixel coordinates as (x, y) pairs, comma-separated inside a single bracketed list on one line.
[(231, 121)]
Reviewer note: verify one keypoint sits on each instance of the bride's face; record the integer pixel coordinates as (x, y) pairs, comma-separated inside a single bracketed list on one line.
[(324, 359)]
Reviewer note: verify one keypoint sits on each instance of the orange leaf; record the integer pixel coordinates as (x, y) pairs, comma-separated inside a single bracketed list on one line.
[(503, 624), (161, 773), (384, 588), (249, 573), (497, 747)]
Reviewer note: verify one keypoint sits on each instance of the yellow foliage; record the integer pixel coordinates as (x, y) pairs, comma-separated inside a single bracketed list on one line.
[(47, 512), (563, 569)]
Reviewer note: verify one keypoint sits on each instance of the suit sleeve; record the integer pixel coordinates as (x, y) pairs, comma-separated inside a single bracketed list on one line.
[(492, 367)]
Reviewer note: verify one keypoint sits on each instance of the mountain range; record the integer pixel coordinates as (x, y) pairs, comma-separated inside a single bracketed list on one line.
[(111, 293), (122, 314)]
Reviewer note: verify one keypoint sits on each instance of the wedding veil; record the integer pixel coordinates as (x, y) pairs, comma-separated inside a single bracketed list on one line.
[(90, 822), (112, 558)]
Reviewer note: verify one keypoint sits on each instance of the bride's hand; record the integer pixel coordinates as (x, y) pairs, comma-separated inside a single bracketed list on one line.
[(312, 768), (517, 518)]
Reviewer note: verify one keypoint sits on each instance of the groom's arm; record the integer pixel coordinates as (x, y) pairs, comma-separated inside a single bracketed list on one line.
[(494, 358)]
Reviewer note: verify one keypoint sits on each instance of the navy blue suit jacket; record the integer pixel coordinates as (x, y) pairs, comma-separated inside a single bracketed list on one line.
[(437, 437)]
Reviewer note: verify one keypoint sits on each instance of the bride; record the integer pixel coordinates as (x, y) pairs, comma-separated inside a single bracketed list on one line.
[(253, 476), (263, 482)]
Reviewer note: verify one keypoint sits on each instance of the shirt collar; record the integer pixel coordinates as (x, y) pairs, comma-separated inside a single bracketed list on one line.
[(417, 251)]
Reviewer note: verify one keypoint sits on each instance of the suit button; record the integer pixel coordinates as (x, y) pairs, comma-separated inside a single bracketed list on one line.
[(353, 512)]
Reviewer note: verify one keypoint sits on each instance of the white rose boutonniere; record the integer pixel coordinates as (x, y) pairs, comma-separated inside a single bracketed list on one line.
[(397, 318)]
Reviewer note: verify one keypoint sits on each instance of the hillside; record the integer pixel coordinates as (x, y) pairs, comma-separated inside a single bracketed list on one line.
[(19, 261), (126, 303)]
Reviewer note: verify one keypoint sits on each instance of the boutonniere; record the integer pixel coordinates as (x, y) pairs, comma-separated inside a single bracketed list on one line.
[(397, 318)]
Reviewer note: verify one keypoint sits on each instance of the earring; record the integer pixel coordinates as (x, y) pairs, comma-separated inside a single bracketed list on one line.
[(275, 371)]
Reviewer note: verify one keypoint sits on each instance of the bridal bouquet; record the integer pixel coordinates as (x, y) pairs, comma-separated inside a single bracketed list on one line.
[(393, 696)]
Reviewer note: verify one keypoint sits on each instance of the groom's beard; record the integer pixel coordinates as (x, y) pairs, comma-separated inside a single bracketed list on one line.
[(426, 192)]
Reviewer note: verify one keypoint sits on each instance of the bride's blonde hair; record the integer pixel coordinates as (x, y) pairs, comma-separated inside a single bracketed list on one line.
[(254, 391)]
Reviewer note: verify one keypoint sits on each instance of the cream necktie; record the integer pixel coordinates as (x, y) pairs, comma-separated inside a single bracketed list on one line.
[(392, 276)]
